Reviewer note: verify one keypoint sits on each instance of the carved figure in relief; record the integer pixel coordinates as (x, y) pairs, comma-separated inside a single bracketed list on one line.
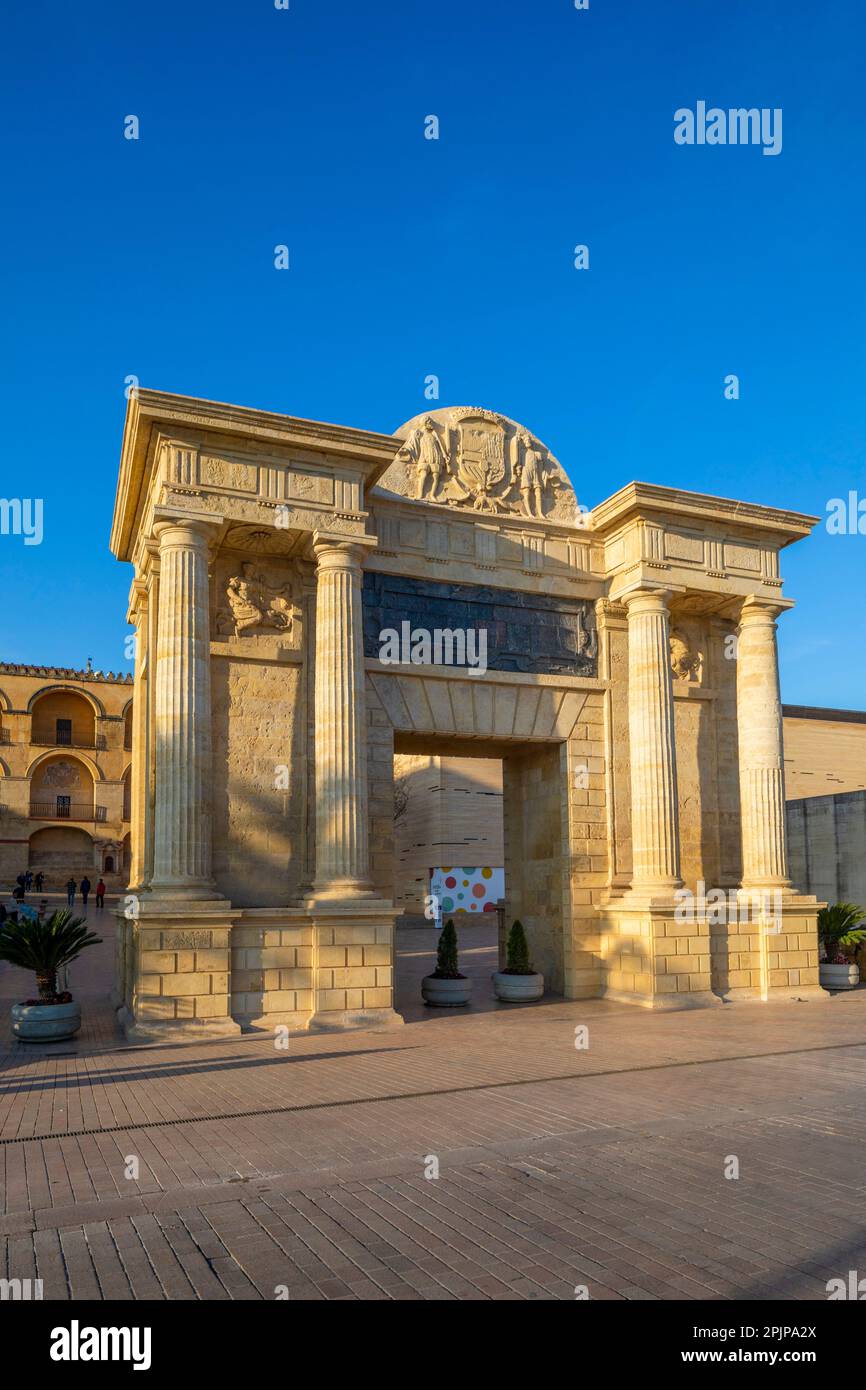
[(685, 664), (424, 450), (256, 603), (475, 459), (533, 479)]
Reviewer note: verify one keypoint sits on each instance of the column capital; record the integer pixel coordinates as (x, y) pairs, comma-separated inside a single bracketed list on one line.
[(172, 529), (646, 598), (610, 610), (337, 550), (758, 610)]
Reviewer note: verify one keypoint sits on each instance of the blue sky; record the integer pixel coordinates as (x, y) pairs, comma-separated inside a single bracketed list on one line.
[(409, 256)]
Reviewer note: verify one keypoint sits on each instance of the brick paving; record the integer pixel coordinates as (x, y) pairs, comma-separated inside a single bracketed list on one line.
[(239, 1170)]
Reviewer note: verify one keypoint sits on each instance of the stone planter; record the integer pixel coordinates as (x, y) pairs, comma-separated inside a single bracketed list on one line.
[(445, 994), (46, 1022), (838, 976), (517, 989)]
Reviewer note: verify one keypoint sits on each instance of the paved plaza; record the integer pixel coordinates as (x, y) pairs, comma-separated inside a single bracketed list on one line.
[(261, 1172)]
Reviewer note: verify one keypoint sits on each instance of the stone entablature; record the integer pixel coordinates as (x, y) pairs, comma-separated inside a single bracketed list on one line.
[(266, 721)]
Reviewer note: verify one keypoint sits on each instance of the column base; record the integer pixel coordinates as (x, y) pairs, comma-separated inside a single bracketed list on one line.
[(790, 994), (346, 1020), (185, 892), (176, 1030), (668, 1003), (344, 896)]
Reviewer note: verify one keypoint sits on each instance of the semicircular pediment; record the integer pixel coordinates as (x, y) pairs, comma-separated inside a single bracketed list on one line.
[(477, 460)]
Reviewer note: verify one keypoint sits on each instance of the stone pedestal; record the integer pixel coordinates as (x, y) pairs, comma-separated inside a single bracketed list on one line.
[(180, 987), (353, 968), (652, 959)]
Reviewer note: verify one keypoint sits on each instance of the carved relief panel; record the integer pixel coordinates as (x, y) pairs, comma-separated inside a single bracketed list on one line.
[(478, 461)]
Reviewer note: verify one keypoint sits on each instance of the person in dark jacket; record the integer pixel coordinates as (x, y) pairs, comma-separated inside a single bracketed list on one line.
[(85, 889), (70, 892)]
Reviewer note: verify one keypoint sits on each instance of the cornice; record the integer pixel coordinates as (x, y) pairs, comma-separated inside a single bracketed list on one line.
[(639, 499), (160, 412)]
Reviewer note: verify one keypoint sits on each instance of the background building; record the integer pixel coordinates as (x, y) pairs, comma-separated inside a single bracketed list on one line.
[(825, 765), (65, 763)]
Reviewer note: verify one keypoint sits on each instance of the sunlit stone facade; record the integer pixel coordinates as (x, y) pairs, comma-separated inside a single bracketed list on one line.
[(629, 684)]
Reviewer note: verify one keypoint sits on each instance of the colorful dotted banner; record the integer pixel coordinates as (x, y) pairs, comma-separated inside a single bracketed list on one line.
[(467, 890)]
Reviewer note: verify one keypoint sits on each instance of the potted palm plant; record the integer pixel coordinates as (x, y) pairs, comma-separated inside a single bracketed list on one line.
[(841, 936), (518, 982), (44, 946), (446, 987)]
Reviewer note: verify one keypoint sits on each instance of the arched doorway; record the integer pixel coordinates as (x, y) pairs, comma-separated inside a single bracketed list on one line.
[(60, 852)]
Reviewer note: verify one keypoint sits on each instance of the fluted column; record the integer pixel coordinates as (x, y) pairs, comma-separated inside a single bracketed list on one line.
[(138, 800), (182, 817), (759, 728), (342, 860), (652, 751)]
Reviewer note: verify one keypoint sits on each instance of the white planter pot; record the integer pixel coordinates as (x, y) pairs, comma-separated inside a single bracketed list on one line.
[(46, 1022), (517, 989), (838, 976), (446, 994)]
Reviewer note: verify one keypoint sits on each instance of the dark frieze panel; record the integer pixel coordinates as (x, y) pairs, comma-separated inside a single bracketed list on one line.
[(533, 633)]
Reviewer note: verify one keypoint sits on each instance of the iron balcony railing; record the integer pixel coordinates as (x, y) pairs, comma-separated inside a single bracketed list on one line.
[(44, 738), (75, 810)]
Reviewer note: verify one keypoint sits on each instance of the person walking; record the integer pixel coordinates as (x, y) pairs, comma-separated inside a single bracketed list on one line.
[(28, 881), (39, 880), (85, 889), (70, 892), (100, 894)]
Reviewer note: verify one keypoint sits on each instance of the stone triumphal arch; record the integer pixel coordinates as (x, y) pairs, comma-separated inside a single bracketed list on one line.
[(629, 684)]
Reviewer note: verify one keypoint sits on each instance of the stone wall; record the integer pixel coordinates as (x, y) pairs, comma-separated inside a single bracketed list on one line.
[(259, 800), (827, 846)]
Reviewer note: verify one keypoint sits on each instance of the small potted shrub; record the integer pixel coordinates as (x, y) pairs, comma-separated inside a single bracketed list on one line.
[(446, 987), (43, 947), (518, 982), (841, 936)]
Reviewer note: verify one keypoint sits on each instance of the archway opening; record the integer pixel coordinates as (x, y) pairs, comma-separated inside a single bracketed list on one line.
[(478, 837)]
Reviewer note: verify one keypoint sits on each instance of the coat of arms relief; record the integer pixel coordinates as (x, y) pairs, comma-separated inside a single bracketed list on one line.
[(481, 461)]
